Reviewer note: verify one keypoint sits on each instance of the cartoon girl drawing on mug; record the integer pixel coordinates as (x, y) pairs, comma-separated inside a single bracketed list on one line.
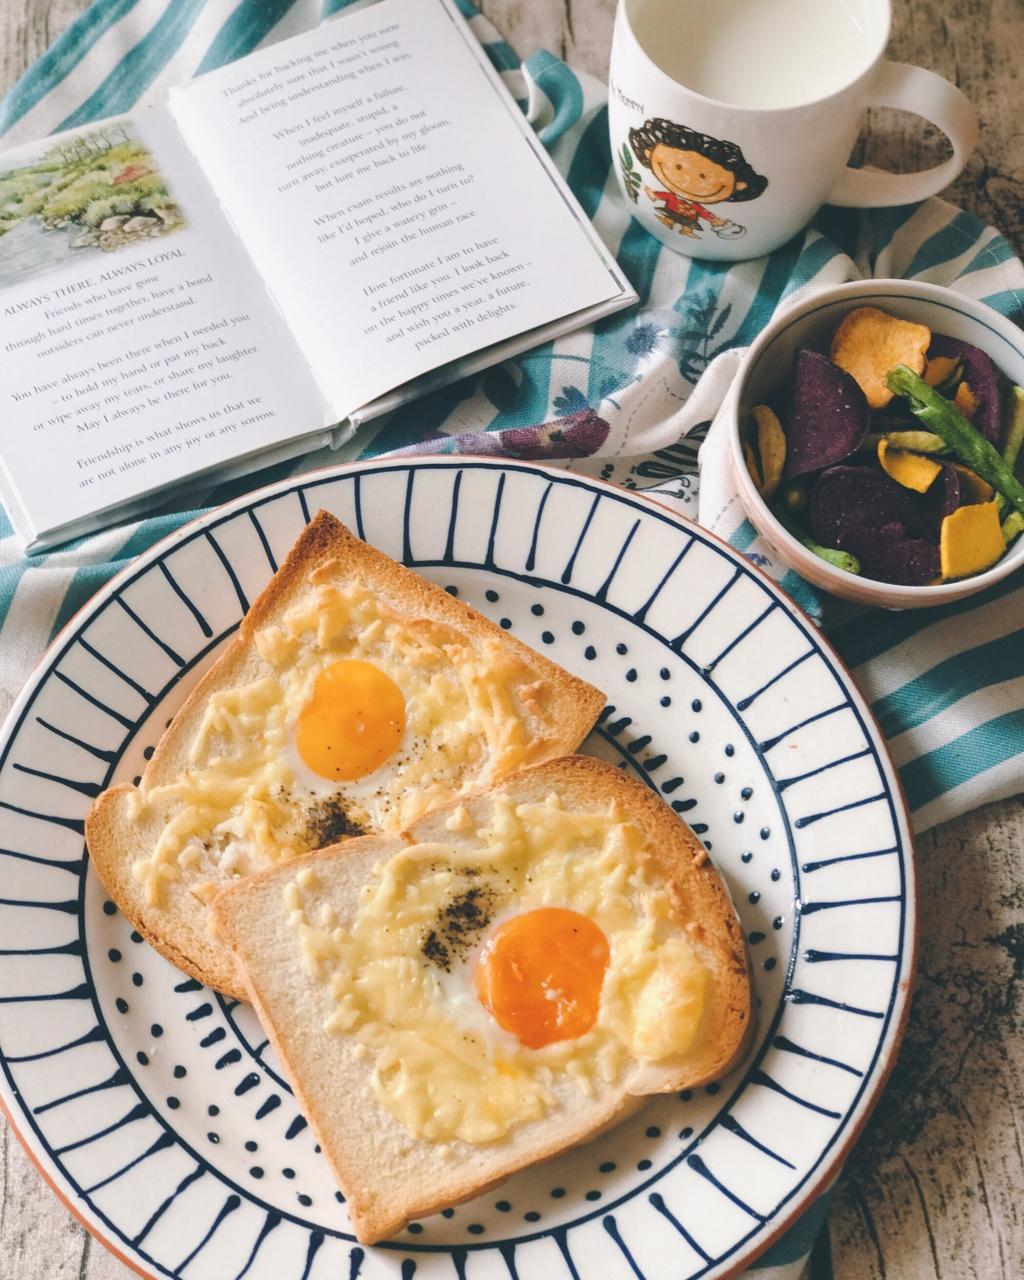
[(694, 171)]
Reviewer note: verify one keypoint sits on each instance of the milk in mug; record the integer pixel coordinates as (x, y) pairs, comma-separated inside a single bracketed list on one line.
[(754, 53)]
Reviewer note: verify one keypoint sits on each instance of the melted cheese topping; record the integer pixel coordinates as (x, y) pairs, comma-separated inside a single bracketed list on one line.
[(441, 1065), (241, 803)]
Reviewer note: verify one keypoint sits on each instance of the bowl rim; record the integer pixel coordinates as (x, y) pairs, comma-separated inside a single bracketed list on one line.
[(845, 584)]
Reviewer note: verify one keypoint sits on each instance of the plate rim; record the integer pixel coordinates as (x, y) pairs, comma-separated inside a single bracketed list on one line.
[(819, 1180)]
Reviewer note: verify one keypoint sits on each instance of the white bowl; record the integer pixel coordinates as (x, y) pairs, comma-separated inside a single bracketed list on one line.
[(811, 323)]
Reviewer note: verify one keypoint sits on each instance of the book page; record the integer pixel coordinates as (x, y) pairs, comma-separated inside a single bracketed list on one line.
[(389, 190), (138, 345)]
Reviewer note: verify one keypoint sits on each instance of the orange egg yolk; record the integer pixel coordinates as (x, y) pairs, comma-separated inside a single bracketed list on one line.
[(540, 975), (352, 723)]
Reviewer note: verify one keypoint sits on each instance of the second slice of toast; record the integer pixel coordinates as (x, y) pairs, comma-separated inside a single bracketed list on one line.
[(364, 966)]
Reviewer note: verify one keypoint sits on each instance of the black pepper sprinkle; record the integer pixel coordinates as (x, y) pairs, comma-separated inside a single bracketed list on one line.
[(435, 951), (459, 922), (327, 823)]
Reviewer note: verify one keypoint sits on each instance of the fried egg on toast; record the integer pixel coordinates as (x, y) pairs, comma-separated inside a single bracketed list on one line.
[(355, 697), (504, 981)]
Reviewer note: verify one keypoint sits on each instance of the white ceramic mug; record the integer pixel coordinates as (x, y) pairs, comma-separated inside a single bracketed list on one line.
[(732, 179)]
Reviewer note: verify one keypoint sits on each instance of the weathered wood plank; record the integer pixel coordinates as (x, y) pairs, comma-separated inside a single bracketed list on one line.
[(38, 1237), (579, 31), (933, 1187), (977, 44), (27, 29)]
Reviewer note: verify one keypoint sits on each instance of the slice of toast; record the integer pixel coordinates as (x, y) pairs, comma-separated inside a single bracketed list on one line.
[(225, 793), (388, 1174)]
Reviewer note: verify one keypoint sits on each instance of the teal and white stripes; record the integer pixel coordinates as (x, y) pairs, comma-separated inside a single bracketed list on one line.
[(949, 694)]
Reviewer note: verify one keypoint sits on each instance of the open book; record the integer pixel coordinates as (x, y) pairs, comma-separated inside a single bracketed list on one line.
[(308, 237)]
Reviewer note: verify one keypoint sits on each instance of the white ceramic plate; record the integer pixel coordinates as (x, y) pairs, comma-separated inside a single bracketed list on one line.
[(154, 1106)]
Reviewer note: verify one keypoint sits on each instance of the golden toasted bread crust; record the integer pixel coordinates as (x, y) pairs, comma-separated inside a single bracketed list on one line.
[(178, 930), (419, 1182)]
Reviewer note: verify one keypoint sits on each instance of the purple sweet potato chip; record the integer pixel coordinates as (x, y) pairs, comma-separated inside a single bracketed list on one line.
[(890, 529), (891, 554), (828, 415), (942, 499), (846, 500), (980, 375)]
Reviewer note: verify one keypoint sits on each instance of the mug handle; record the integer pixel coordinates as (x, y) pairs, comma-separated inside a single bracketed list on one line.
[(925, 94)]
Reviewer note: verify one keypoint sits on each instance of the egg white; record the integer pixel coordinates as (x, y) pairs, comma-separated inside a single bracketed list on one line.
[(445, 1069), (248, 799)]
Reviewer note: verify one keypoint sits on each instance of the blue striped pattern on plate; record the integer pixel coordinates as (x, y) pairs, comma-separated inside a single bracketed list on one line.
[(158, 1107)]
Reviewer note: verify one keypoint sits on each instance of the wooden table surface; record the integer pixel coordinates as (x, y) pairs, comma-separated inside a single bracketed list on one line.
[(933, 1190)]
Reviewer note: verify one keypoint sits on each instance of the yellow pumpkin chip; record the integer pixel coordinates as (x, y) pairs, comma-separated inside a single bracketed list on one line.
[(972, 486), (752, 467), (939, 368), (965, 400), (870, 342), (771, 445), (971, 540), (912, 470)]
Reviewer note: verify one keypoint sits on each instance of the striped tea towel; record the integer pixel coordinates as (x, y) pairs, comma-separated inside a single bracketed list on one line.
[(628, 400)]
